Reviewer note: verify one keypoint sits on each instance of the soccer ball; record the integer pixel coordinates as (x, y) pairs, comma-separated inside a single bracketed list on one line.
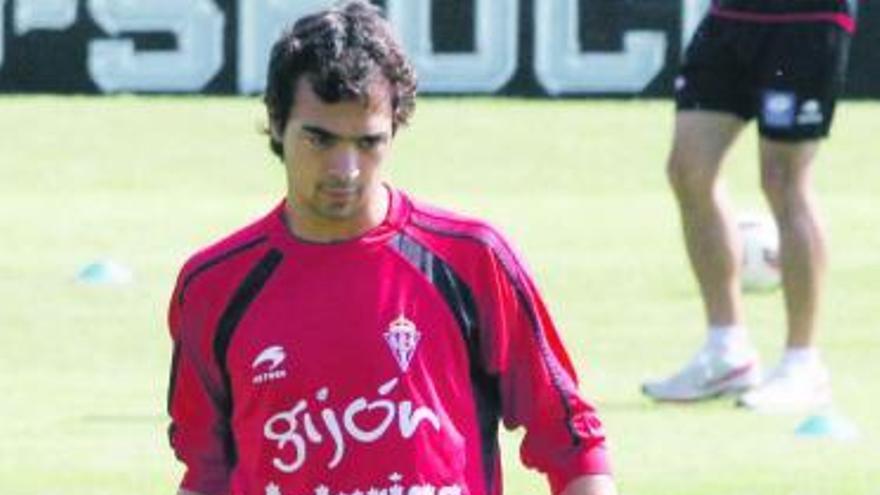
[(759, 269)]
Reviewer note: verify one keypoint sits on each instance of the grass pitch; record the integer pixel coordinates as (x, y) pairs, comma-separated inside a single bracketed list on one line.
[(578, 185)]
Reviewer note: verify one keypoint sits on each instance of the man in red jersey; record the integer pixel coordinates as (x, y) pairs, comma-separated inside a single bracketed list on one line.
[(353, 340), (783, 63)]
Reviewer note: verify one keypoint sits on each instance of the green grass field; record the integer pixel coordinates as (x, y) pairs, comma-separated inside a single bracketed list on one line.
[(578, 185)]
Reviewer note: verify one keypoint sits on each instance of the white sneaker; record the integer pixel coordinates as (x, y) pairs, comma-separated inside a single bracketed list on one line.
[(791, 389), (709, 374)]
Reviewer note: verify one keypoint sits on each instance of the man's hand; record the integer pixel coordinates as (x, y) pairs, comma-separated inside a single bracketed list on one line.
[(602, 484)]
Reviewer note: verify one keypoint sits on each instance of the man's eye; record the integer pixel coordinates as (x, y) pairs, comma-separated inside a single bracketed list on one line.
[(369, 143), (320, 141)]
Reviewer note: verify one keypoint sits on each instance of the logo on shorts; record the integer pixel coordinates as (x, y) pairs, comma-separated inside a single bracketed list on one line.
[(269, 361), (402, 338), (779, 109), (810, 113)]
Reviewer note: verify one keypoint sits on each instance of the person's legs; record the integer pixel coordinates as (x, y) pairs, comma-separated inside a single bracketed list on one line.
[(801, 73), (786, 174), (726, 363), (800, 380), (714, 99), (700, 143)]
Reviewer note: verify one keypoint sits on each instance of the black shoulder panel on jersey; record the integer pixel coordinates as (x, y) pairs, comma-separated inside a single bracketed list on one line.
[(244, 295), (172, 380), (515, 274), (172, 384), (460, 301), (211, 262)]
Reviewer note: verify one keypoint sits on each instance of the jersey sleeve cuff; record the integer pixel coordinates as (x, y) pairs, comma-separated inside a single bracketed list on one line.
[(593, 462), (214, 485)]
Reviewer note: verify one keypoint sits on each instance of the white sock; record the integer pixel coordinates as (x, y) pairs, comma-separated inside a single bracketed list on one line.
[(727, 338), (800, 356)]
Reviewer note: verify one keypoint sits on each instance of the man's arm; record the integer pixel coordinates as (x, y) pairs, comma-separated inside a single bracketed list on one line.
[(564, 438), (599, 484), (199, 432)]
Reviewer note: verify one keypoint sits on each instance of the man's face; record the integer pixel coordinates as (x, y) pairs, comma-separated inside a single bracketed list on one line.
[(332, 156)]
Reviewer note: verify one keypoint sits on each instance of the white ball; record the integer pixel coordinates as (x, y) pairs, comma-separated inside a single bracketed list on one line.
[(759, 270)]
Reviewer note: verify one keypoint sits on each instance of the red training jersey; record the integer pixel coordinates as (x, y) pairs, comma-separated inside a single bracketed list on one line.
[(380, 365)]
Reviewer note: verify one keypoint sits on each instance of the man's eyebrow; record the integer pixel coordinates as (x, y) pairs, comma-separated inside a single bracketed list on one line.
[(324, 133), (320, 131)]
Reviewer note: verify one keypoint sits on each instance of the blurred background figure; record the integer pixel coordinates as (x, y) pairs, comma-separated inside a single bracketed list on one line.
[(783, 64)]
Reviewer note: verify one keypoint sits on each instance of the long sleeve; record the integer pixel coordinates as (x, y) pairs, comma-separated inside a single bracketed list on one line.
[(199, 431), (564, 438)]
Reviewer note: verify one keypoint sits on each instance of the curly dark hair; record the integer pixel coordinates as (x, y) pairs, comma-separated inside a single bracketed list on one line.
[(340, 51)]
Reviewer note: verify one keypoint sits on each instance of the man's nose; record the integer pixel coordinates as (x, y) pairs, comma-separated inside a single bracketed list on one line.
[(345, 165)]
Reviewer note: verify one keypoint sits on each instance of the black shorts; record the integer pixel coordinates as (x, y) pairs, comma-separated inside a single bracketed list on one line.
[(788, 75)]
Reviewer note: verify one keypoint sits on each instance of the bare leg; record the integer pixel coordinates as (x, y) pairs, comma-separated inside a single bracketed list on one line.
[(726, 363), (701, 141), (800, 381), (786, 174)]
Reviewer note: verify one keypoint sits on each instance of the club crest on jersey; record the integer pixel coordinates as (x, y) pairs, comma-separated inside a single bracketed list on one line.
[(403, 339), (267, 364)]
